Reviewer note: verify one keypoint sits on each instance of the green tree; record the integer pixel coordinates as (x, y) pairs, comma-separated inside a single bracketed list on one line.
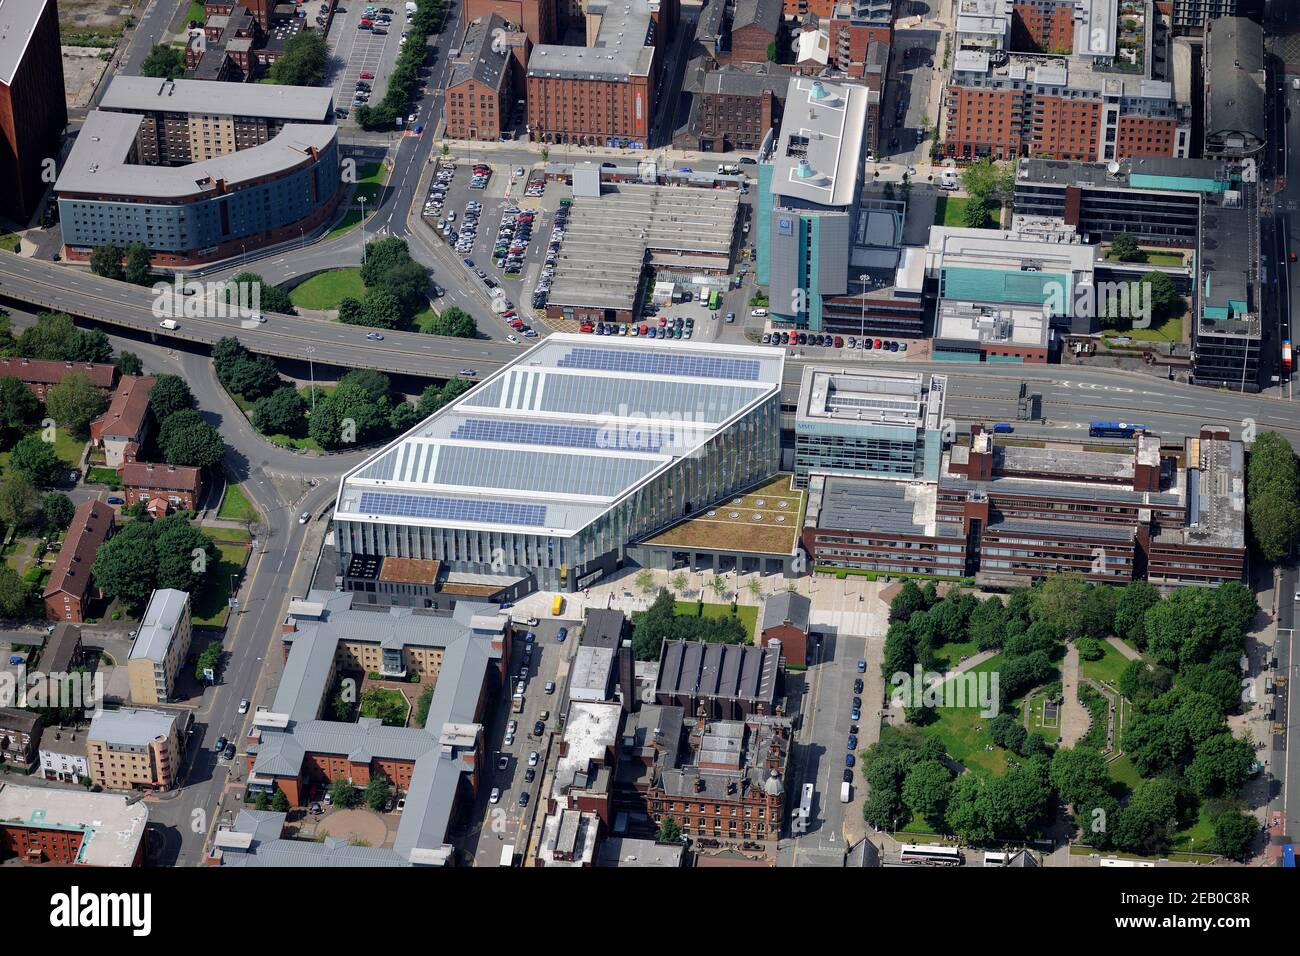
[(106, 261), (164, 62), (186, 439), (989, 181), (343, 795), (1273, 495), (377, 791), (435, 397), (303, 61), (987, 623), (454, 322), (351, 311), (15, 594), (926, 790), (19, 502), (382, 310), (208, 659), (1165, 300), (645, 581), (280, 413), (909, 599), (679, 583), (34, 459), (402, 418), (1234, 834), (280, 802), (1125, 248), (977, 214), (55, 337), (409, 282), (75, 402), (57, 510), (185, 556), (1078, 774), (1131, 606), (1221, 765), (138, 265), (170, 394), (128, 363), (669, 832), (126, 565), (18, 410), (382, 255), (270, 298), (253, 377)]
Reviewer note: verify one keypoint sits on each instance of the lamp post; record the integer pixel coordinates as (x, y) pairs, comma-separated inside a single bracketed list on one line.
[(862, 331), (362, 200)]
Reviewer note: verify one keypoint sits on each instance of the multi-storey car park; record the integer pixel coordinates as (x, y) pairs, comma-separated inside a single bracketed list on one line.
[(198, 180), (551, 469)]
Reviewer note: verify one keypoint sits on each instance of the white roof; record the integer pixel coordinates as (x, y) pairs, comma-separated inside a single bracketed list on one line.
[(303, 104), (561, 435), (18, 19), (818, 157)]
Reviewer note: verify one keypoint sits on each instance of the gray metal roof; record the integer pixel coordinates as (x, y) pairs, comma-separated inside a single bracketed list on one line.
[(786, 607), (718, 671), (295, 104), (167, 606), (100, 161), (131, 728), (765, 13), (1234, 78), (18, 19), (482, 56), (622, 46)]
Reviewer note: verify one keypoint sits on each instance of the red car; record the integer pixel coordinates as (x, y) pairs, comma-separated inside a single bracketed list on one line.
[(877, 343), (367, 75), (1291, 257), (516, 323), (839, 342), (586, 327), (643, 328)]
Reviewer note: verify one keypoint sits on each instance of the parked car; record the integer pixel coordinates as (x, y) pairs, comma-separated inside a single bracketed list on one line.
[(230, 752), (220, 745), (849, 760), (529, 774), (561, 634), (495, 795), (533, 757), (114, 500), (503, 762), (539, 728)]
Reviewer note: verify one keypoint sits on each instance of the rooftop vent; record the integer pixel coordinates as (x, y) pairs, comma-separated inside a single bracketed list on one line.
[(805, 170)]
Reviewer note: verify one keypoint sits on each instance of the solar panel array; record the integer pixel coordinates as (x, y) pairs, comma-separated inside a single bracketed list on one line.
[(566, 436), (659, 363), (451, 509)]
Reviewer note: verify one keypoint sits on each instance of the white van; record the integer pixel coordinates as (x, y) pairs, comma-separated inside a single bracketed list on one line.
[(948, 179), (846, 792), (171, 325), (758, 313)]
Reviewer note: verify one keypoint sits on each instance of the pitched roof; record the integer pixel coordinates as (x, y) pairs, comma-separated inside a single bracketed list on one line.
[(48, 372), (127, 409), (786, 607), (482, 57), (24, 720), (60, 647), (765, 13), (140, 474), (92, 523)]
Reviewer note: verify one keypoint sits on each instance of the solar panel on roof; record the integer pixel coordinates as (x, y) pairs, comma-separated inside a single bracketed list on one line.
[(451, 509), (658, 363), (566, 436)]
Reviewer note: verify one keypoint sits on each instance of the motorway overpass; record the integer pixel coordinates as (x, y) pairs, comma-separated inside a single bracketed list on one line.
[(1070, 395)]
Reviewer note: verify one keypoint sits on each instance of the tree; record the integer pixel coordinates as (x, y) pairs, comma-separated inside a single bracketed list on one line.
[(128, 363), (106, 261), (303, 61), (343, 795), (435, 397), (1131, 606), (138, 264), (1079, 774), (987, 623), (208, 659), (645, 581), (351, 311), (454, 322), (75, 402), (988, 181), (377, 791), (382, 310), (1125, 248), (34, 459), (14, 594), (976, 214), (383, 705), (409, 282), (186, 439), (280, 413), (382, 255), (57, 510), (1165, 300), (185, 556), (19, 502), (909, 599), (279, 802), (1273, 495), (1221, 765), (926, 790), (55, 337), (170, 394), (270, 298), (669, 832), (1234, 834), (402, 418), (164, 62), (679, 582), (253, 378), (18, 409), (126, 564)]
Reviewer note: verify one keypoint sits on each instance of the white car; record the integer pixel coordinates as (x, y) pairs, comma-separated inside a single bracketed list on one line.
[(512, 339), (533, 758), (243, 706), (495, 796), (304, 517), (412, 118)]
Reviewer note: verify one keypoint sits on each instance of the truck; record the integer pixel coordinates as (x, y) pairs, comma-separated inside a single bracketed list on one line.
[(846, 791), (518, 703), (171, 325), (410, 7), (557, 605), (507, 851), (1286, 357)]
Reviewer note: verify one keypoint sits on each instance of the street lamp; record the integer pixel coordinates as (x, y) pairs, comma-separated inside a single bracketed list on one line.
[(362, 200)]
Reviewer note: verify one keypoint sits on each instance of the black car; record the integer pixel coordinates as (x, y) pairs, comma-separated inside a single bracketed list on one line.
[(220, 745), (529, 774), (230, 752), (523, 799), (857, 703), (848, 775), (539, 728), (857, 686)]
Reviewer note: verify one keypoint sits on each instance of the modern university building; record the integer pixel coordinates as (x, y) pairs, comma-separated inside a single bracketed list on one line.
[(546, 474)]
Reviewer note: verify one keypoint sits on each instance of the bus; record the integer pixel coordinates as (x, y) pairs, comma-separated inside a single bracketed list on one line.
[(917, 855), (805, 802), (557, 605), (714, 300), (1114, 430), (996, 858), (1286, 357), (508, 855)]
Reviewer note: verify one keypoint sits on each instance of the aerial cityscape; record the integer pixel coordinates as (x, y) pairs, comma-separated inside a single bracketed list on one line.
[(937, 505)]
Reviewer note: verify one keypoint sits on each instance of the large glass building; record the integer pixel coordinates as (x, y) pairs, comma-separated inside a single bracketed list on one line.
[(554, 465), (857, 423)]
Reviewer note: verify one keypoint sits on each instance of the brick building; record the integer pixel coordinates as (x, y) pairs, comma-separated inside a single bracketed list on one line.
[(71, 827), (180, 486), (33, 111), (861, 36), (734, 107), (480, 83), (125, 423), (538, 19), (20, 736), (785, 619), (70, 587), (40, 375), (757, 28), (131, 749), (729, 681), (1043, 26), (602, 93)]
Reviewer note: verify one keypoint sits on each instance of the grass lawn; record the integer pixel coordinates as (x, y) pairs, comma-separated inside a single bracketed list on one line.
[(326, 289), (387, 699), (195, 13), (1159, 258), (1036, 722), (1123, 771), (747, 615), (371, 183), (351, 219), (420, 321), (1108, 669), (948, 656), (1197, 837), (964, 734), (235, 506), (9, 242), (1170, 330), (950, 211), (103, 476), (210, 605), (66, 448)]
